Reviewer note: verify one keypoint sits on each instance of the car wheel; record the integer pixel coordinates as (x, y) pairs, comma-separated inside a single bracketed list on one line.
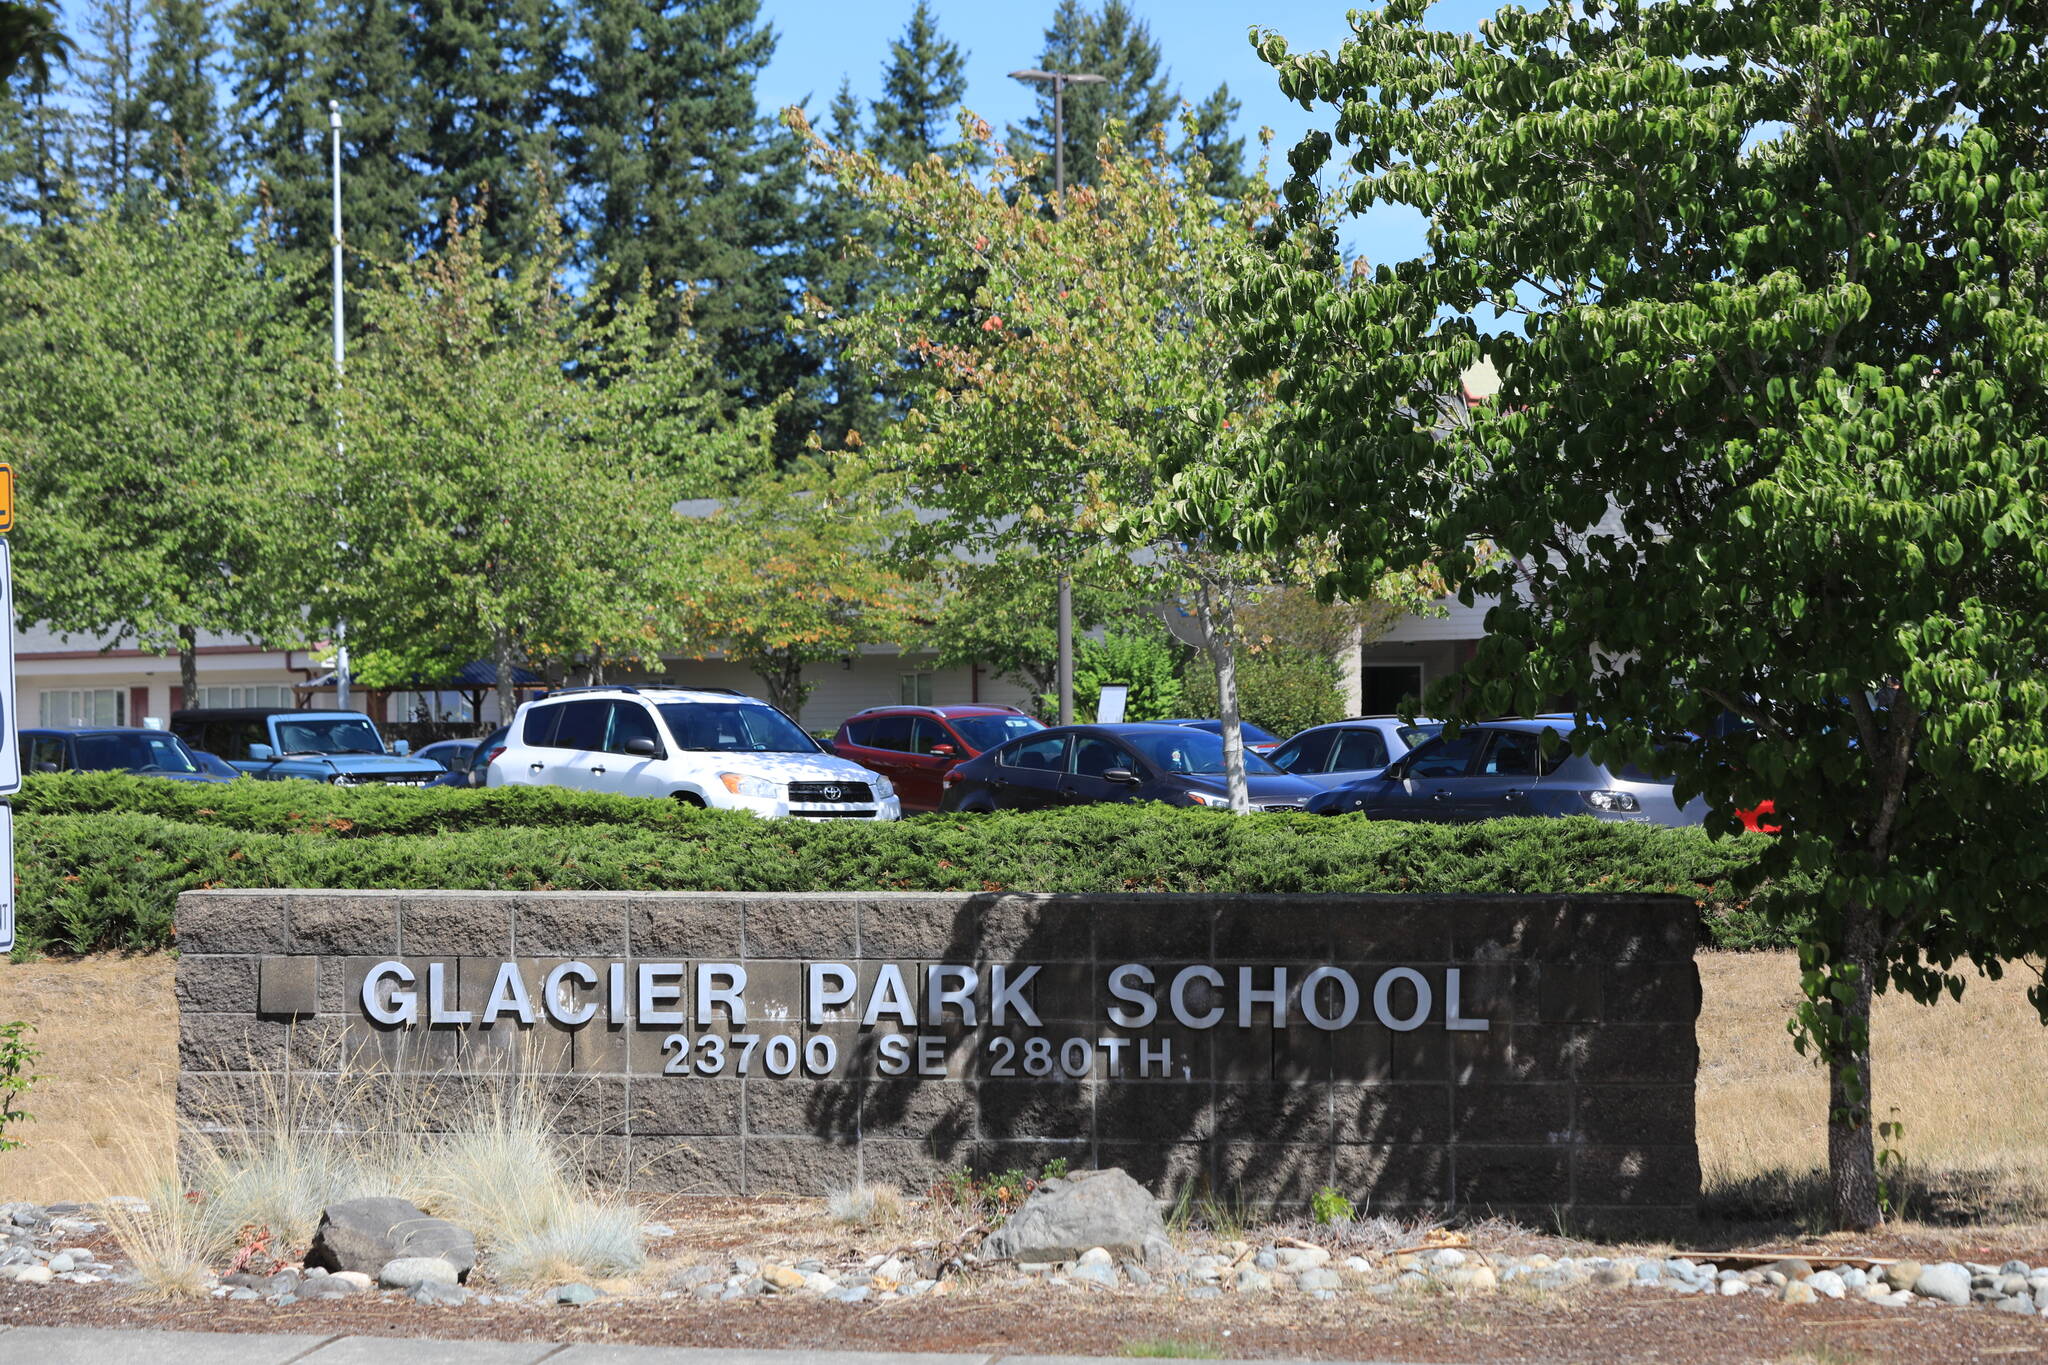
[(689, 799)]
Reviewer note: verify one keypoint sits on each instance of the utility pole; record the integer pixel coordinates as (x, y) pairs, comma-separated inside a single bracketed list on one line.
[(1059, 81), (340, 627)]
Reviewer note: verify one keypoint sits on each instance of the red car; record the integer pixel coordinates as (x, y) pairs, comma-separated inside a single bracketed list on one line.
[(914, 746)]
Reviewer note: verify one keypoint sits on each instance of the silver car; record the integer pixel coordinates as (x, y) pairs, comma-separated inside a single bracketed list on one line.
[(1327, 756)]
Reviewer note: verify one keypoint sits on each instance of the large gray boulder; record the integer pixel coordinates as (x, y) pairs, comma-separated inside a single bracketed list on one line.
[(1064, 1218), (367, 1234)]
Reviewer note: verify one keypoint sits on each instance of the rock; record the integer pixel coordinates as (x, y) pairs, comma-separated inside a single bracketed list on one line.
[(1852, 1278), (1792, 1268), (60, 1263), (857, 1294), (1798, 1291), (1875, 1291), (1948, 1282), (283, 1282), (1612, 1277), (439, 1295), (781, 1278), (1447, 1259), (363, 1234), (1095, 1272), (2016, 1304), (1358, 1265), (410, 1272), (29, 1274), (1268, 1259), (354, 1277), (1205, 1291), (1649, 1272), (1094, 1256), (1159, 1253), (2013, 1286), (1252, 1280), (1900, 1274), (1474, 1279), (1063, 1218), (655, 1232), (893, 1272), (1294, 1260), (244, 1295), (1730, 1288), (1318, 1278), (817, 1282), (2019, 1268), (1136, 1274), (575, 1295), (1827, 1284)]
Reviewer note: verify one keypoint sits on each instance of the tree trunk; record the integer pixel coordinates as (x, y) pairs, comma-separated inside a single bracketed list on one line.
[(188, 665), (501, 663), (1218, 640), (784, 675), (1852, 1147)]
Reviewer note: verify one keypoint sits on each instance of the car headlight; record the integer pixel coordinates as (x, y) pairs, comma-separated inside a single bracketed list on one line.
[(1205, 799), (739, 784), (1612, 801), (882, 787)]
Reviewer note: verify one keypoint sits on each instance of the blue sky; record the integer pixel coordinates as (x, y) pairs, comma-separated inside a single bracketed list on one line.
[(1205, 42)]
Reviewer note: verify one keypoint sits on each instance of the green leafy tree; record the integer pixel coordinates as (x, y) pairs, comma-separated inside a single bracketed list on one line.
[(182, 148), (1284, 689), (30, 41), (17, 1073), (1145, 661), (154, 398), (512, 464), (1768, 444), (686, 194)]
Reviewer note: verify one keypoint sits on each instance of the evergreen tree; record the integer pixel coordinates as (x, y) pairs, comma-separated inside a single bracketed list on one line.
[(1138, 93), (835, 407), (489, 73), (181, 149), (922, 89), (112, 115), (1207, 135), (36, 132), (685, 192), (291, 58)]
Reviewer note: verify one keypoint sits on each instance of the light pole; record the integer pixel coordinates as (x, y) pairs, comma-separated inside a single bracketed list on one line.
[(341, 627), (1059, 81)]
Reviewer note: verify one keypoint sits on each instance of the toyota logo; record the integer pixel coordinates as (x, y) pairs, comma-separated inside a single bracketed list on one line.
[(832, 793)]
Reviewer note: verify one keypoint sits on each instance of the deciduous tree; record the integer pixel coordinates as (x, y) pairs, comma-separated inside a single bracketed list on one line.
[(1763, 282)]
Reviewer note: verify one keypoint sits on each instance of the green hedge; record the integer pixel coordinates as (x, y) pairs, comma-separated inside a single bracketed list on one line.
[(100, 860)]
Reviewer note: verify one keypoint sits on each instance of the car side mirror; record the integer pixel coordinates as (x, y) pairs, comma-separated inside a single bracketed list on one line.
[(262, 753), (401, 747), (47, 768), (1122, 776), (942, 751), (643, 746), (1395, 772)]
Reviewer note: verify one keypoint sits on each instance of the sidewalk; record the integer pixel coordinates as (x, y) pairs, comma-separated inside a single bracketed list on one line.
[(100, 1346)]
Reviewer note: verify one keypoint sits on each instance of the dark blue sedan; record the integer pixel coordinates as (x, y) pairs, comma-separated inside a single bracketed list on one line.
[(1079, 764), (121, 749)]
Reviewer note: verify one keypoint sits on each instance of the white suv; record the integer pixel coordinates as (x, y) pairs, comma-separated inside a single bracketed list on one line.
[(697, 745)]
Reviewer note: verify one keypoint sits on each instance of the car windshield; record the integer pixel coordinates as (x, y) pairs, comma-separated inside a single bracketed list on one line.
[(734, 727), (1188, 751), (341, 735), (164, 753), (1413, 735), (1251, 733), (985, 732)]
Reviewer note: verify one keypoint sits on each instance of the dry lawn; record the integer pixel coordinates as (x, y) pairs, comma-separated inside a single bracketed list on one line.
[(1962, 1077)]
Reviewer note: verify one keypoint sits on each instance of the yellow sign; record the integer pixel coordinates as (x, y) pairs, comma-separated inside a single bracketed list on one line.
[(6, 498)]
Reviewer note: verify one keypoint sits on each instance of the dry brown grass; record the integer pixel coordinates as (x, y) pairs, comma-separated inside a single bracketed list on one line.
[(1960, 1076), (107, 1027)]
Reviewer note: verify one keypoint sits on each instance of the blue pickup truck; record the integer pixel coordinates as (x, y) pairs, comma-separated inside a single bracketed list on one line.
[(338, 747)]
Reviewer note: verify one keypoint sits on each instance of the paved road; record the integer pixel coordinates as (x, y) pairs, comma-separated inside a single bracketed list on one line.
[(99, 1346)]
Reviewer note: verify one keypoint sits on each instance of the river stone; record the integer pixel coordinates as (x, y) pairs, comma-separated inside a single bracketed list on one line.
[(575, 1295), (1901, 1274), (1827, 1284), (364, 1234), (1948, 1282), (410, 1272), (1798, 1291), (1066, 1217), (1252, 1280), (1318, 1278), (2016, 1304)]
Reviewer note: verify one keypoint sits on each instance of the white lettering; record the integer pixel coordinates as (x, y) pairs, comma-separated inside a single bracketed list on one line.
[(508, 996), (660, 986), (1347, 990), (1115, 1048), (732, 994), (617, 1004), (1006, 995), (439, 1011), (931, 1056), (890, 996), (1382, 996), (404, 1007), (893, 1054), (1148, 1008), (1161, 1053), (1177, 997), (1249, 995), (560, 1002), (823, 997), (937, 996), (1454, 1017)]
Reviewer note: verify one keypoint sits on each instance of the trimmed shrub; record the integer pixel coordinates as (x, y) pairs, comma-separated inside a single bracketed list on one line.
[(1281, 688), (91, 875)]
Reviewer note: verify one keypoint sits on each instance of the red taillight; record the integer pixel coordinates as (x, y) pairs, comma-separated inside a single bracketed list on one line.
[(492, 756), (948, 779)]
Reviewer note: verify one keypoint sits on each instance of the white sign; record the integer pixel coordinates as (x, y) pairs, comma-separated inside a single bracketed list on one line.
[(6, 878), (1109, 709), (10, 730)]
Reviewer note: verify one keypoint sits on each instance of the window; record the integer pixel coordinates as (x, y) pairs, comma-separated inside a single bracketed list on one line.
[(983, 733), (225, 737), (734, 727), (88, 706), (1305, 753), (860, 732), (1445, 757), (1048, 754), (1358, 750), (276, 698), (447, 707), (538, 729), (890, 732), (1190, 751), (302, 734), (45, 755), (155, 752), (630, 721), (1383, 687), (916, 688), (583, 725), (928, 734), (1094, 757), (1512, 755)]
